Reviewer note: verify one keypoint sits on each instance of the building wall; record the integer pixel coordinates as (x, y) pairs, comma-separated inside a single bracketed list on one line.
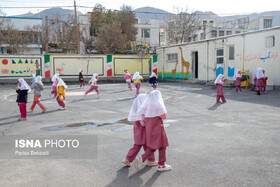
[(13, 67), (250, 52), (154, 27)]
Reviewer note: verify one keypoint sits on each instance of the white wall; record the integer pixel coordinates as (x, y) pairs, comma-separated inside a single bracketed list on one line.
[(250, 52)]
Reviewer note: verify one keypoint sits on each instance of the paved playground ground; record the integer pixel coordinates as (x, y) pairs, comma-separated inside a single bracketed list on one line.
[(232, 144)]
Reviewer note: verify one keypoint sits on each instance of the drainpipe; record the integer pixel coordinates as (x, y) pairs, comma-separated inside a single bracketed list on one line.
[(207, 58), (162, 60), (243, 55)]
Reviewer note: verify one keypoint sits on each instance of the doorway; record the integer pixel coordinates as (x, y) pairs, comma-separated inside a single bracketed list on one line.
[(195, 64)]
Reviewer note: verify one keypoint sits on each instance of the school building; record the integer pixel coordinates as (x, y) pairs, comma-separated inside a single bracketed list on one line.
[(206, 59)]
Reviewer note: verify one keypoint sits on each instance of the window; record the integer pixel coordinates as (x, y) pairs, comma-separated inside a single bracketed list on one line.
[(267, 23), (270, 41), (229, 32), (221, 33), (172, 57), (213, 34), (145, 33), (231, 53), (220, 56), (238, 32)]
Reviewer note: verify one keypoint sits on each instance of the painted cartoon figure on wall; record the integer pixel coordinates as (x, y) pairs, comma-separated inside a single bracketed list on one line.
[(184, 64)]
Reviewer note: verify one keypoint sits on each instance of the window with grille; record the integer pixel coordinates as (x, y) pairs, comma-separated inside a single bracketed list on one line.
[(267, 23), (172, 57), (145, 33), (270, 41), (220, 56)]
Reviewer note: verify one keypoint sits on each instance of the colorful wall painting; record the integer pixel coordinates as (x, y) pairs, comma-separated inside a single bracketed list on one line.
[(19, 66)]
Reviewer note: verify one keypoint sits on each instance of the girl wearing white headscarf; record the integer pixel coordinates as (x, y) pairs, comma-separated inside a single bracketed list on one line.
[(264, 82), (81, 79), (127, 78), (139, 133), (219, 83), (54, 85), (255, 81), (61, 86), (93, 82), (137, 78), (259, 83), (38, 88), (33, 78), (154, 110), (153, 80), (237, 77), (22, 90)]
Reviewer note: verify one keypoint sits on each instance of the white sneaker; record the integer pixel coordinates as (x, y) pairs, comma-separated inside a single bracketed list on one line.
[(164, 168), (138, 163)]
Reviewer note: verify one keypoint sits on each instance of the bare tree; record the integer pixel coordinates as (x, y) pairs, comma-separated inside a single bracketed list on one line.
[(110, 39), (182, 26)]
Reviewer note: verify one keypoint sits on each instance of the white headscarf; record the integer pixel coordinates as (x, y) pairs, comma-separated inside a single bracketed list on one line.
[(55, 76), (138, 101), (38, 79), (259, 73), (137, 76), (153, 75), (61, 83), (80, 70), (219, 79), (153, 105), (23, 85), (237, 74)]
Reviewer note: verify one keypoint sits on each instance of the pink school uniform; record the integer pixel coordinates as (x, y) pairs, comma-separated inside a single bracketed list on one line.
[(264, 82), (54, 84), (220, 93), (137, 81), (237, 77), (259, 82), (139, 133), (154, 111), (93, 82), (127, 78)]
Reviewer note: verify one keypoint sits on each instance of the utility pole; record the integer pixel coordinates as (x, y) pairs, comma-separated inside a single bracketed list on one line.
[(77, 29), (47, 35)]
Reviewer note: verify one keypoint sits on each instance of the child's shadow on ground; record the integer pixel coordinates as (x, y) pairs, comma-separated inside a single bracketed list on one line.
[(214, 107), (122, 178)]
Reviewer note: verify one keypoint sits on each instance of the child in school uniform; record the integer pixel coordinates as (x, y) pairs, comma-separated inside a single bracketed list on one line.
[(153, 80), (22, 90), (93, 82), (259, 82), (237, 76), (264, 82), (219, 83), (154, 111), (61, 86), (255, 81), (38, 88), (33, 78), (54, 84), (81, 79), (137, 78), (127, 78), (139, 133)]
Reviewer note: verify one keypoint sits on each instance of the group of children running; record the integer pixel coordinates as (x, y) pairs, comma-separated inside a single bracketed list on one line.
[(58, 90), (260, 79)]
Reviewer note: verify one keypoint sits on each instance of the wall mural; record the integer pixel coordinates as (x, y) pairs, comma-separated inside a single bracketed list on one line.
[(20, 66), (185, 64)]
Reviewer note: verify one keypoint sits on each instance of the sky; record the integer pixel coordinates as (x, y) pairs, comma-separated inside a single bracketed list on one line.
[(220, 7)]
